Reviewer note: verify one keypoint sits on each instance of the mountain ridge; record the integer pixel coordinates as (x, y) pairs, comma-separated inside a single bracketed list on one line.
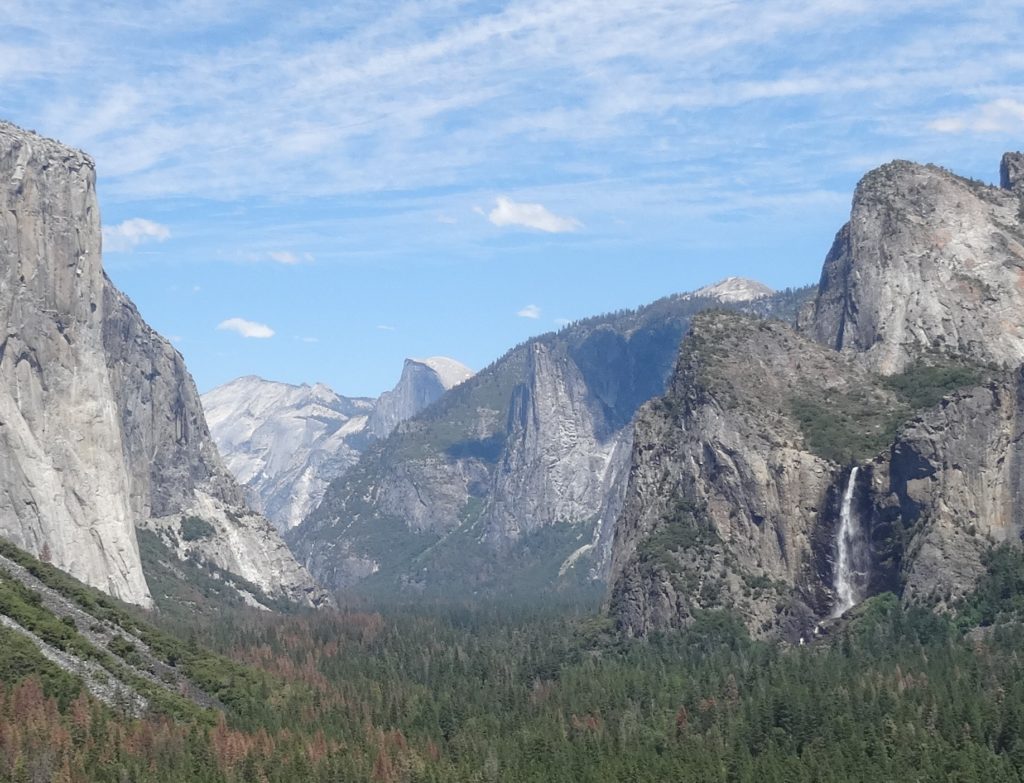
[(286, 442), (463, 479)]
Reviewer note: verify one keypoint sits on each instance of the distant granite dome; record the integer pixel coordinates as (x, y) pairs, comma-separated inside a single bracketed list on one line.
[(285, 443), (735, 289), (423, 381)]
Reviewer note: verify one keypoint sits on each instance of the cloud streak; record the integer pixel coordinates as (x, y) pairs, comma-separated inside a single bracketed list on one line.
[(627, 111), (245, 328), (530, 311), (126, 236), (1003, 115), (536, 216)]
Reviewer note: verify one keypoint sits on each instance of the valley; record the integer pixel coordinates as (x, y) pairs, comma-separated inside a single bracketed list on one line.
[(732, 534)]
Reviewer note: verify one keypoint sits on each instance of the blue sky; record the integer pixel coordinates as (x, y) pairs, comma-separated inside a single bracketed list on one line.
[(340, 185)]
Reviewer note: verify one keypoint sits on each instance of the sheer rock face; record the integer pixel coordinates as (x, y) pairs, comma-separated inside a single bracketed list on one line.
[(65, 490), (423, 381), (725, 502), (286, 443), (928, 262), (555, 457), (1011, 171), (952, 483), (99, 419)]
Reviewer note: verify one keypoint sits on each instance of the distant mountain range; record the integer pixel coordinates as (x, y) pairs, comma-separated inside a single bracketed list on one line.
[(286, 443), (512, 481)]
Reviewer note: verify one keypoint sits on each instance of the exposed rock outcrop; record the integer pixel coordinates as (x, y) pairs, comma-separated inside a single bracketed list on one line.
[(102, 429), (286, 443), (735, 289), (423, 381), (929, 262), (1011, 171)]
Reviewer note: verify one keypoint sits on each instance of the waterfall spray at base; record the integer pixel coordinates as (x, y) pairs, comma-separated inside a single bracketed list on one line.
[(852, 563)]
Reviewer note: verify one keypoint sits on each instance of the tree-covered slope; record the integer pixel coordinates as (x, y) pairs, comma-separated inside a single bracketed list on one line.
[(490, 694)]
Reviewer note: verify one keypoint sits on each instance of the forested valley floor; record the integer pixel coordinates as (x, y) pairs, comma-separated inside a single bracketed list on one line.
[(510, 694)]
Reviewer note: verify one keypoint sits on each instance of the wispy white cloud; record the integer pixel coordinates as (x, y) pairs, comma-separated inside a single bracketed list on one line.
[(1003, 115), (246, 328), (284, 257), (530, 311), (511, 213), (426, 93), (386, 327), (654, 108), (128, 235)]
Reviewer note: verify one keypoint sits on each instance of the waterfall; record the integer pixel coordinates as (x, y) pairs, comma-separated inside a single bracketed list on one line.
[(852, 561)]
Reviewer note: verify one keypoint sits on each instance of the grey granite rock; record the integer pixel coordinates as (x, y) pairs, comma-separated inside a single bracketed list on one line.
[(100, 422), (929, 262)]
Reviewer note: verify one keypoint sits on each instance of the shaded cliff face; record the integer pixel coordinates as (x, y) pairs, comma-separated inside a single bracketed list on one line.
[(948, 489), (285, 443), (929, 262), (518, 465), (103, 430)]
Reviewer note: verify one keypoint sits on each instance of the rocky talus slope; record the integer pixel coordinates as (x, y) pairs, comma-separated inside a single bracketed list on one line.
[(906, 366), (515, 475), (102, 427)]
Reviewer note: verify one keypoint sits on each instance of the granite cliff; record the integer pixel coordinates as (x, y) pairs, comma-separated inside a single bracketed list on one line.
[(102, 430), (905, 367)]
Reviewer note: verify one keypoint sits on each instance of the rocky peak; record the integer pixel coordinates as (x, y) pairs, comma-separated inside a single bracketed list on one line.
[(734, 289), (929, 262), (1011, 171), (285, 443), (423, 381)]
